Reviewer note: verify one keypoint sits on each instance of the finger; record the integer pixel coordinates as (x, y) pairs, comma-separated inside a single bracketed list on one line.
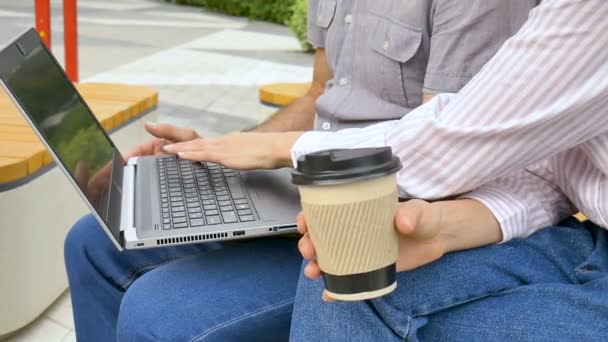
[(326, 297), (301, 221), (407, 217), (202, 156), (312, 270), (170, 132), (148, 148), (188, 146), (306, 247)]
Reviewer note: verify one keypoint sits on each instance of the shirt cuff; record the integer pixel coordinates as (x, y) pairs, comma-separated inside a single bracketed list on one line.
[(372, 136), (509, 211)]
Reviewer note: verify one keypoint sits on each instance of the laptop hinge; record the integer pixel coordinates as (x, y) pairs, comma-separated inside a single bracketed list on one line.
[(127, 212)]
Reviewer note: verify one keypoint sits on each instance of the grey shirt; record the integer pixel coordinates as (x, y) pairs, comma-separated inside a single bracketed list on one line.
[(385, 53)]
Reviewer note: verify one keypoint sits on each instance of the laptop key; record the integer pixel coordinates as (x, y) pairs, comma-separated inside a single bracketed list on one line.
[(208, 202), (244, 212), (195, 215), (175, 209), (236, 190), (226, 208), (166, 226), (179, 220), (240, 201), (210, 207), (247, 218), (206, 197), (194, 205), (223, 203), (211, 212), (194, 210), (229, 217), (223, 198), (242, 206), (213, 220), (192, 200), (179, 214), (180, 225), (166, 221), (197, 222), (221, 193)]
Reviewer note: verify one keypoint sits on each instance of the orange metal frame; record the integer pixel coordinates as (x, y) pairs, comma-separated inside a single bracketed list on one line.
[(70, 28)]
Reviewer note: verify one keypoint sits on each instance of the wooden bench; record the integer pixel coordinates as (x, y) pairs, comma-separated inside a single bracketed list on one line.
[(282, 94), (22, 154), (37, 204)]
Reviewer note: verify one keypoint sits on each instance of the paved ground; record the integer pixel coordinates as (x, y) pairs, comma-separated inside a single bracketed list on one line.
[(207, 67)]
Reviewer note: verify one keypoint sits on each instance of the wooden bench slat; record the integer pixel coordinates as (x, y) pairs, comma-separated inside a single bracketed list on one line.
[(12, 169), (21, 153), (282, 94)]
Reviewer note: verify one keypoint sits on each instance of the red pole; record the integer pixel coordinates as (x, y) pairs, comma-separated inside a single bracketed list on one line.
[(43, 21), (70, 28)]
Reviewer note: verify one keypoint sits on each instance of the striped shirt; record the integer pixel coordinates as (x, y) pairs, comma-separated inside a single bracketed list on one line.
[(528, 136)]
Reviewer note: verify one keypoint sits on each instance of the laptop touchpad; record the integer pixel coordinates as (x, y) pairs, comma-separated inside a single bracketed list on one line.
[(273, 195)]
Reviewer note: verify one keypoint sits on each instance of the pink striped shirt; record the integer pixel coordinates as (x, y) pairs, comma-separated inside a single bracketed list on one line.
[(528, 136)]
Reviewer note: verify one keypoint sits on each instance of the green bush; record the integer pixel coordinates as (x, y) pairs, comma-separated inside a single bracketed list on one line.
[(297, 23), (289, 12), (276, 11)]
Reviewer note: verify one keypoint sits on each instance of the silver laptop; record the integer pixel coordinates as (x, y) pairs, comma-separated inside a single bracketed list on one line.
[(152, 201)]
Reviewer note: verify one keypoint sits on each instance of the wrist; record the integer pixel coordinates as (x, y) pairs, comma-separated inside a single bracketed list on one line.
[(282, 147)]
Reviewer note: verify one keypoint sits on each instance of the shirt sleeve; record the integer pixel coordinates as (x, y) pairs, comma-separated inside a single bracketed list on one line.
[(544, 92), (525, 201), (316, 34), (465, 35)]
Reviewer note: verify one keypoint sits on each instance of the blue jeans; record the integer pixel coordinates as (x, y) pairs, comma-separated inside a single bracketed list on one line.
[(205, 292), (552, 286)]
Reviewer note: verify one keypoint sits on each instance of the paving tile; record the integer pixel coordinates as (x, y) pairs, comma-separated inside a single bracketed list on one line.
[(61, 312), (244, 40), (42, 329), (71, 337)]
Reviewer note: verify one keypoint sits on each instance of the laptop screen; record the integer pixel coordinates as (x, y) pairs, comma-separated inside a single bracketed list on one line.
[(60, 115)]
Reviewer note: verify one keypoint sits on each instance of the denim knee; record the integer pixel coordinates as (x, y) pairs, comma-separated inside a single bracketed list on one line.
[(84, 233)]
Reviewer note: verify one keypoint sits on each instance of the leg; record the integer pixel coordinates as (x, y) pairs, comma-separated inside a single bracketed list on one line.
[(243, 292), (538, 312), (99, 276), (447, 284)]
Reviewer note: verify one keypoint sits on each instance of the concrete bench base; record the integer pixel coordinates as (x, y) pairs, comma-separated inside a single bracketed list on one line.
[(31, 240)]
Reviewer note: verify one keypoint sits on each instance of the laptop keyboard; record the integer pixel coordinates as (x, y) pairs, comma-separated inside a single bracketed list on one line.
[(198, 194)]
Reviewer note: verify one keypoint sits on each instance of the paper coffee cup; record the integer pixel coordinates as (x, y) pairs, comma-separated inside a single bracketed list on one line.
[(349, 198)]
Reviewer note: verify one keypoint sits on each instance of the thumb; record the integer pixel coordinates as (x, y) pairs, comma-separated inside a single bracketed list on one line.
[(408, 216), (170, 132)]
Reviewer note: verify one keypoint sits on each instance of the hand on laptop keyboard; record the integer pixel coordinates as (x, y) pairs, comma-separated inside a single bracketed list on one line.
[(198, 194), (164, 134), (241, 151)]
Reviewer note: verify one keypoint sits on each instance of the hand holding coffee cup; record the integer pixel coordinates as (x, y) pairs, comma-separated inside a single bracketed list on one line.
[(349, 198)]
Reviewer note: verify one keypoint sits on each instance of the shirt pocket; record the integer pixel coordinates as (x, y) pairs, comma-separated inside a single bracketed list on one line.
[(401, 75), (326, 10)]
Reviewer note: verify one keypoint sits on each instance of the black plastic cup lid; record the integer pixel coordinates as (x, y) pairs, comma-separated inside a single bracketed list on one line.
[(340, 166)]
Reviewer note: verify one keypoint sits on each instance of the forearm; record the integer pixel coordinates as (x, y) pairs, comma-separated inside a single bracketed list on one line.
[(465, 224), (298, 116)]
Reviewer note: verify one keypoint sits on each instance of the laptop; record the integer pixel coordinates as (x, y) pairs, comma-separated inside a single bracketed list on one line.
[(150, 201)]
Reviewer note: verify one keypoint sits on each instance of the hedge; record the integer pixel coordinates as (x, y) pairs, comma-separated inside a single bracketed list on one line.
[(288, 12)]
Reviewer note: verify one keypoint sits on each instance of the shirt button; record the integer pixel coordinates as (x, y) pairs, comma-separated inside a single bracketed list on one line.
[(385, 46), (343, 81), (326, 126), (348, 19)]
